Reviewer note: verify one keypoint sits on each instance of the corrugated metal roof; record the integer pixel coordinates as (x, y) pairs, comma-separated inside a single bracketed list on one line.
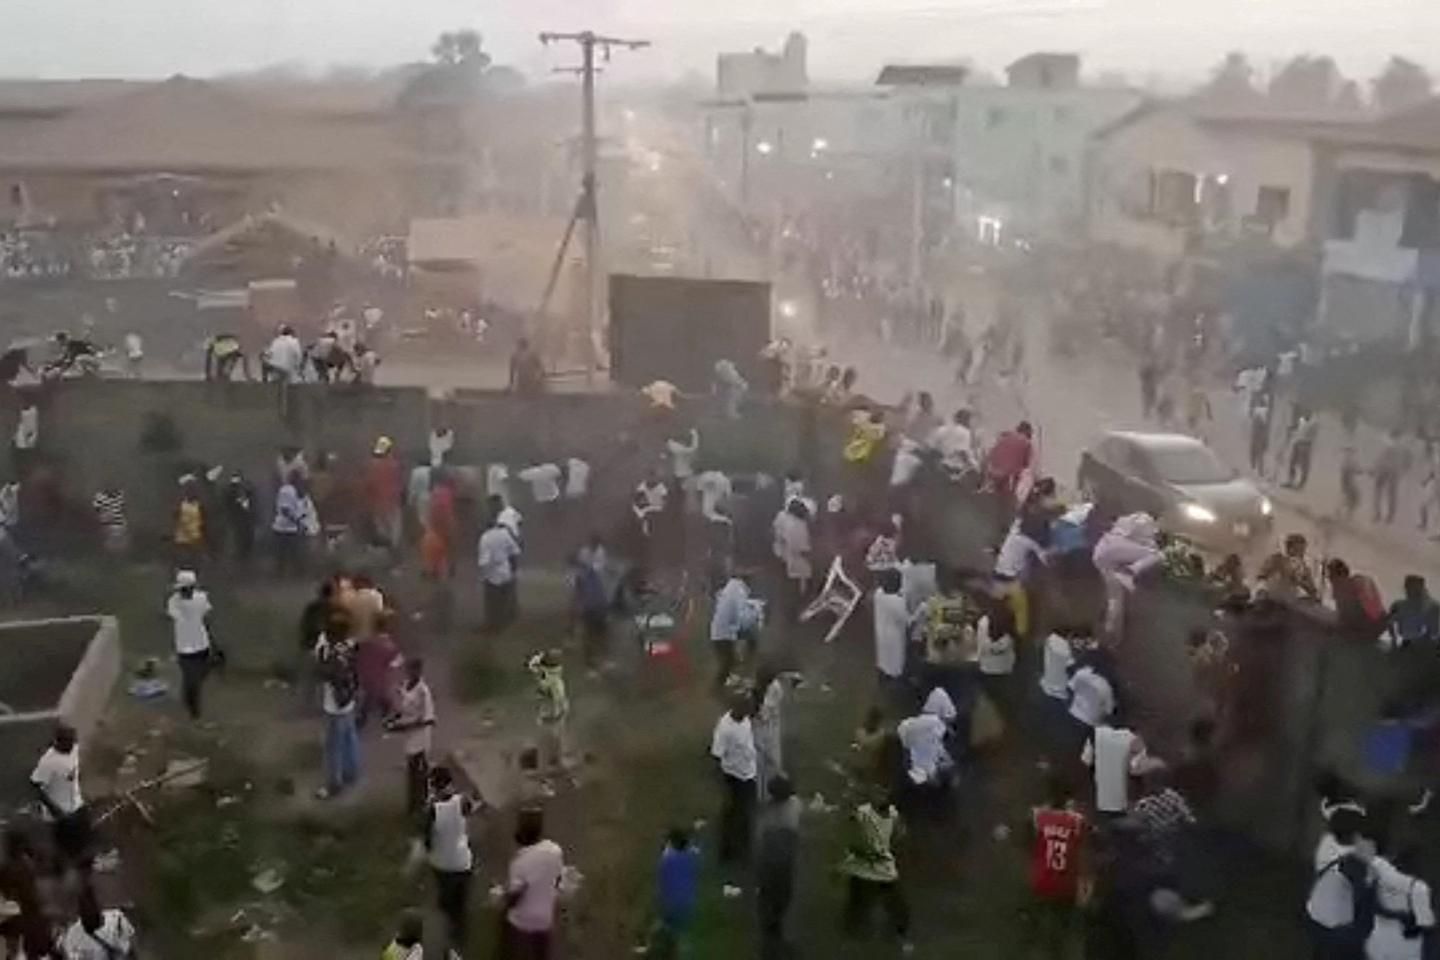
[(184, 124)]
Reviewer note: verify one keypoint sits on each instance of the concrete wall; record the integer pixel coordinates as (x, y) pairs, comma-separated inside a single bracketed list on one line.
[(92, 432), (75, 662)]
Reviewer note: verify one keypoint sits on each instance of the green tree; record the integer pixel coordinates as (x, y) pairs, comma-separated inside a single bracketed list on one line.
[(1232, 81), (460, 48), (1402, 84), (1307, 83)]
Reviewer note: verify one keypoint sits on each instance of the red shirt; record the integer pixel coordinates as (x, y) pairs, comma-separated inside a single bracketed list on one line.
[(1054, 863), (442, 512), (384, 486), (1010, 455)]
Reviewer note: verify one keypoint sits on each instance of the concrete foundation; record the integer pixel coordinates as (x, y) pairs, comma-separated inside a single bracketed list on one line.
[(50, 670)]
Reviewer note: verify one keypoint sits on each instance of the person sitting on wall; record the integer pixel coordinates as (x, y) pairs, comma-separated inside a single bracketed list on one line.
[(223, 353), (328, 359)]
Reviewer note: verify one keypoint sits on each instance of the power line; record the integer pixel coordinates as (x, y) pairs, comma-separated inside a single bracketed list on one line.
[(587, 206)]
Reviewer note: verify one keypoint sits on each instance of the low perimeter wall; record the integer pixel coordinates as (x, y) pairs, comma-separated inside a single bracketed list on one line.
[(94, 432), (50, 670)]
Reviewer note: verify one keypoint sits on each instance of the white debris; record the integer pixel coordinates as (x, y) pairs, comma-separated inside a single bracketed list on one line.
[(184, 773), (268, 880)]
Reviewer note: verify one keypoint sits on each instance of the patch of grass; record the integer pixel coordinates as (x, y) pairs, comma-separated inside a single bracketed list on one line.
[(349, 867), (478, 675)]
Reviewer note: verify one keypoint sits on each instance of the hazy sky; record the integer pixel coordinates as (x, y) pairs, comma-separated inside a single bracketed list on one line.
[(59, 38)]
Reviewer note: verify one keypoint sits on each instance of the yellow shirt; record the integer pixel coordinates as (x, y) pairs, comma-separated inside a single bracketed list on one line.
[(865, 437), (189, 524)]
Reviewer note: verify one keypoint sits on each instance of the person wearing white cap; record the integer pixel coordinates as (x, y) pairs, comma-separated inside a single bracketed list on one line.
[(189, 612)]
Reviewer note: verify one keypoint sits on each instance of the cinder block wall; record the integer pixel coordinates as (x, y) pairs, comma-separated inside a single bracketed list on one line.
[(92, 430)]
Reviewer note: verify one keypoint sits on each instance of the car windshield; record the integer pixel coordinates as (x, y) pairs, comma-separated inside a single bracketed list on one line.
[(1185, 465)]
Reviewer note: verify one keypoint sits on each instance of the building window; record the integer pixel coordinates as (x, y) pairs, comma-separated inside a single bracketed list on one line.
[(994, 117), (1059, 166), (1174, 196), (1272, 205)]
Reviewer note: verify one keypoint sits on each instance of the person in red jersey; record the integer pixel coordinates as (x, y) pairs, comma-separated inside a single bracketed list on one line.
[(1012, 454), (1058, 832)]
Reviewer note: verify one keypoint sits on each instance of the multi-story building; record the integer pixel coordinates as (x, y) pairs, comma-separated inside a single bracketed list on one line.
[(1019, 149)]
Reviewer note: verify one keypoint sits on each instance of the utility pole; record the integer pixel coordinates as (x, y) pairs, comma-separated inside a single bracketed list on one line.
[(588, 205), (747, 123)]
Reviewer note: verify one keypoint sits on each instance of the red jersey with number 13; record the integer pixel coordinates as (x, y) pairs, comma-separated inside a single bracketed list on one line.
[(1054, 863)]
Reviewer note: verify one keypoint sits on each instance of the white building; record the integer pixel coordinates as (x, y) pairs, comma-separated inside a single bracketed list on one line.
[(1019, 149)]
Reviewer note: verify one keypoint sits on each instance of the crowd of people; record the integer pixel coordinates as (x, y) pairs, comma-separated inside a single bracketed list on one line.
[(964, 649), (45, 254)]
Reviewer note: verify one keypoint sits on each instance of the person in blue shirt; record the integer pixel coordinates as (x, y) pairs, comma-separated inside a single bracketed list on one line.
[(1415, 618), (732, 621), (678, 889)]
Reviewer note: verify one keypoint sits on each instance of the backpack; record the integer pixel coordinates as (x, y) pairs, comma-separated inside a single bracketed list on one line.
[(1362, 890)]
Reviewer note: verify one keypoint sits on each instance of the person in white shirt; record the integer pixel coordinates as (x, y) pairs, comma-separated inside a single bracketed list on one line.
[(906, 464), (508, 517), (415, 719), (682, 449), (532, 889), (1404, 913), (996, 643), (794, 489), (955, 442), (1092, 698), (1020, 552), (295, 521), (733, 747), (544, 480), (134, 355), (497, 556), (732, 620), (283, 357), (56, 779), (347, 334), (791, 545), (1341, 864), (442, 441), (497, 481), (938, 703), (417, 493), (188, 608), (1059, 657), (577, 479), (1116, 754), (27, 429), (653, 489), (715, 489), (892, 624), (98, 934), (927, 762), (447, 840)]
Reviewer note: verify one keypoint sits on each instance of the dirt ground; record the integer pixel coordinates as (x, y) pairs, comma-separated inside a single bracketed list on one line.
[(641, 733)]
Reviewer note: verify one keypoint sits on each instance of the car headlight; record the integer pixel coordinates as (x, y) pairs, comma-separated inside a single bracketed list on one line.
[(1198, 513), (1266, 507)]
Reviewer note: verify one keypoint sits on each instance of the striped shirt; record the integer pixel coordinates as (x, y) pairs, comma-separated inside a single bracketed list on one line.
[(109, 506)]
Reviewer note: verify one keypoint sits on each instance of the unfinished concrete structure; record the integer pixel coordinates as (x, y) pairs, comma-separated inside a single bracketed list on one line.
[(50, 670)]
